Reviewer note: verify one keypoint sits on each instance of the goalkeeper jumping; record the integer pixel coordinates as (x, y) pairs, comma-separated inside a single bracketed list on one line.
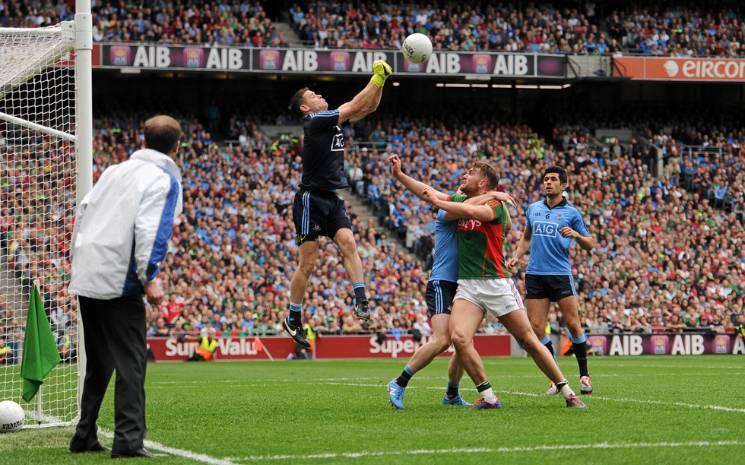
[(317, 210)]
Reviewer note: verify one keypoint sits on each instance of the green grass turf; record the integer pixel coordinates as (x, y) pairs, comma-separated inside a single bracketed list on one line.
[(250, 413)]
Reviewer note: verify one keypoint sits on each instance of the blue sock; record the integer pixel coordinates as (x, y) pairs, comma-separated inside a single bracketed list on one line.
[(546, 341), (296, 314), (406, 375), (579, 345), (452, 389), (359, 291)]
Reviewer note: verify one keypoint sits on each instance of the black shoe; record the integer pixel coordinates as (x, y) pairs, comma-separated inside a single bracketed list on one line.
[(76, 448), (121, 454), (362, 310), (296, 332)]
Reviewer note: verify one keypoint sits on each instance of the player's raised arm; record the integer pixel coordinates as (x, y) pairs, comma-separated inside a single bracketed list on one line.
[(493, 195), (414, 186), (368, 99), (457, 210)]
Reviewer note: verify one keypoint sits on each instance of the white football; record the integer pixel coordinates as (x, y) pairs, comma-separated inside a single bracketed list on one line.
[(11, 416), (417, 48)]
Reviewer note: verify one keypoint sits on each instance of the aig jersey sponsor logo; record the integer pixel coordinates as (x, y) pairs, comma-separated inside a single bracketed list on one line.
[(543, 228), (337, 143)]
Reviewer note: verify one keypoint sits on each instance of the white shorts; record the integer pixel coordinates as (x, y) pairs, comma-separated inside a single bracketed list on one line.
[(497, 296)]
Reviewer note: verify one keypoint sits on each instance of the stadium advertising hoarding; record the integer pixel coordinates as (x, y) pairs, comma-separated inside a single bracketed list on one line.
[(328, 347), (680, 69), (666, 344), (345, 62), (368, 346)]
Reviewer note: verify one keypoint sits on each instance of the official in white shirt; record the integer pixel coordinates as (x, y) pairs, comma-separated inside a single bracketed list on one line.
[(121, 235)]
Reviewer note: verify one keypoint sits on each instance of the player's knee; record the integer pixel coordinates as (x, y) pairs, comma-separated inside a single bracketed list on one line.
[(346, 244), (460, 339)]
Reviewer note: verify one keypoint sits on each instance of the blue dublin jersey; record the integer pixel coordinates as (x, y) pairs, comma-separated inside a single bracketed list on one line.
[(549, 250), (445, 266)]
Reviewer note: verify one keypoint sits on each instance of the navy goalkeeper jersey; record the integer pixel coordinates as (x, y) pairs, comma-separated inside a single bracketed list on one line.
[(323, 152)]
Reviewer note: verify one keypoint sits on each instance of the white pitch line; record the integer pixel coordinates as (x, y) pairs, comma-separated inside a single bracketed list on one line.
[(250, 382), (487, 450), (183, 453), (721, 408)]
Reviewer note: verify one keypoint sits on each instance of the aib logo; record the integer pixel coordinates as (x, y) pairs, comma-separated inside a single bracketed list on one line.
[(543, 228)]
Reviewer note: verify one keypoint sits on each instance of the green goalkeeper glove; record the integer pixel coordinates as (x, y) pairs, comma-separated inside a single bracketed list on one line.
[(381, 72)]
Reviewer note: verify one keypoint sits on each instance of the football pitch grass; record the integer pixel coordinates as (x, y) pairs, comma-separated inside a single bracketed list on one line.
[(645, 410)]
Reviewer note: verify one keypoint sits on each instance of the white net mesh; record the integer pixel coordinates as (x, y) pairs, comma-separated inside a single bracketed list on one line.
[(37, 200)]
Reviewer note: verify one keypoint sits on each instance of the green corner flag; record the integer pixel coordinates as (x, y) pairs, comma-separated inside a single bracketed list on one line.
[(40, 354)]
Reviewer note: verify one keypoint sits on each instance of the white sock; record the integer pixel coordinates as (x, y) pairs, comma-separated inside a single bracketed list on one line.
[(489, 396), (566, 391)]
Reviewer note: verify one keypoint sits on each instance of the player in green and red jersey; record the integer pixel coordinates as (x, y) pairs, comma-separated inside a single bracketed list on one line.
[(485, 284)]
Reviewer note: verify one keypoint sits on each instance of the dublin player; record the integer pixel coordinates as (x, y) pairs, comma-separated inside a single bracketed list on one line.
[(317, 210), (553, 226)]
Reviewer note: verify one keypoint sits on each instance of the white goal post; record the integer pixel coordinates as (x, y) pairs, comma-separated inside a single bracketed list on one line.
[(46, 139)]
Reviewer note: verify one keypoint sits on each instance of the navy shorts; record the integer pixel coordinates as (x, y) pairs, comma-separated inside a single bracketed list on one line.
[(551, 287), (318, 213), (439, 297)]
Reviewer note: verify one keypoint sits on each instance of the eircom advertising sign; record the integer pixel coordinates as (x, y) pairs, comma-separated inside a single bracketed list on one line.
[(680, 69)]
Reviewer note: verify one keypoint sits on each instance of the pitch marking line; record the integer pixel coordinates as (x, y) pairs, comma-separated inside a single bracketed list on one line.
[(183, 453), (488, 450), (720, 408), (250, 382)]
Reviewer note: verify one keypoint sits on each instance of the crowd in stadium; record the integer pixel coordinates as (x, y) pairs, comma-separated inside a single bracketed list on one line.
[(171, 22), (545, 28), (233, 249), (647, 29)]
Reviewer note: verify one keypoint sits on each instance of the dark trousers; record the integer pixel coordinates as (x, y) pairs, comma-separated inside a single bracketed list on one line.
[(114, 340)]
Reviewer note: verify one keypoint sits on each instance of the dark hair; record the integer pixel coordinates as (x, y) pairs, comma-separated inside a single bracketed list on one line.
[(489, 172), (558, 170), (295, 101), (162, 133)]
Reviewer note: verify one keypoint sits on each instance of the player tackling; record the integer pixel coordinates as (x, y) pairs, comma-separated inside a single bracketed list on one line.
[(485, 284), (443, 281)]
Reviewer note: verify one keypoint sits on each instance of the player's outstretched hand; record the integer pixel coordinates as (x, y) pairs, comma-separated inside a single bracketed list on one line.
[(505, 197), (395, 164), (512, 262), (381, 72), (566, 231)]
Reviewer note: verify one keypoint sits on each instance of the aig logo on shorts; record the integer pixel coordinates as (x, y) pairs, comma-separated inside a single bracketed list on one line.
[(542, 228)]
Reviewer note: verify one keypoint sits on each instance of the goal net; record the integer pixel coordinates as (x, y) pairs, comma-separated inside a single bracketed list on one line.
[(37, 201)]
